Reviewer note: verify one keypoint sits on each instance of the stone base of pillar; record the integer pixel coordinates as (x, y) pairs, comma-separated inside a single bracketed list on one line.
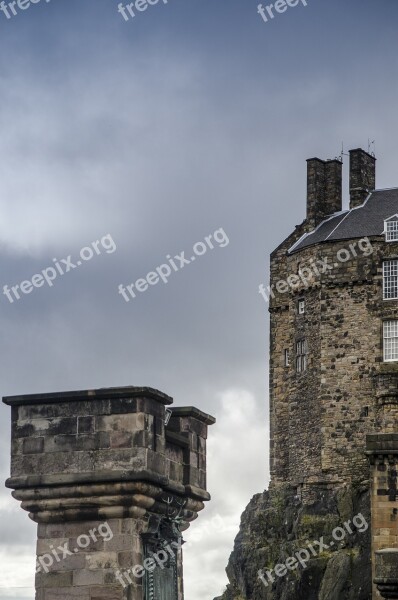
[(386, 570)]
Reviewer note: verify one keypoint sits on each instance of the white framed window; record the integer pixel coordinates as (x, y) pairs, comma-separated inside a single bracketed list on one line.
[(390, 340), (390, 279), (301, 307), (301, 356), (391, 230), (287, 358)]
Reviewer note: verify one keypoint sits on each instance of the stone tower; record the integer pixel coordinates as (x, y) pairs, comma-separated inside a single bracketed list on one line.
[(327, 527), (112, 477), (333, 303)]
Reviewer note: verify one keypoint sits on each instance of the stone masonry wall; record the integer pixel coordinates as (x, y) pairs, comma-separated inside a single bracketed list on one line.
[(281, 324), (328, 410), (90, 573), (304, 407)]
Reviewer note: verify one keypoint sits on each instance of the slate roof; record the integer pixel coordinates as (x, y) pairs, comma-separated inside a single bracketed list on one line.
[(364, 221)]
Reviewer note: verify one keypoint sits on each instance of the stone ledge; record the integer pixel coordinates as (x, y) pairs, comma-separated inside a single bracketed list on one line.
[(101, 478), (98, 477), (108, 500), (376, 437), (100, 394), (382, 444), (192, 411)]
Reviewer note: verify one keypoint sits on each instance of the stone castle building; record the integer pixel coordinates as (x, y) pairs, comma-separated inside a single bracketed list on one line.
[(334, 339), (334, 329), (112, 477), (333, 303)]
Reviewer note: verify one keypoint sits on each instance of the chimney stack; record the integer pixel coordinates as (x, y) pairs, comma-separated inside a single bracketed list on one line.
[(362, 176), (324, 189)]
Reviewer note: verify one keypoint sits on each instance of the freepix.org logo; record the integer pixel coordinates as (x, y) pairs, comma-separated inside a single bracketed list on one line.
[(57, 555), (59, 267), (164, 271), (130, 10), (269, 12), (309, 272), (304, 555), (9, 8)]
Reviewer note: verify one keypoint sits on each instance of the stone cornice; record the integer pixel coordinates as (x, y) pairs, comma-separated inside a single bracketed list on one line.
[(98, 394), (110, 499), (115, 478), (192, 411)]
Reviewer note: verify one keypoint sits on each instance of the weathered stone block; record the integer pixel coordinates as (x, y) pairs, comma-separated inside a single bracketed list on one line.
[(54, 580), (33, 445), (85, 425), (69, 593), (88, 577), (121, 439), (107, 593)]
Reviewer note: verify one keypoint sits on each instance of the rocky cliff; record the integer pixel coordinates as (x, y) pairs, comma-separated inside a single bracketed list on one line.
[(294, 540)]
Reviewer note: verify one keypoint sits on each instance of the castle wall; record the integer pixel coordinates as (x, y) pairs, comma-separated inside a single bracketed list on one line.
[(281, 328), (324, 414), (304, 407)]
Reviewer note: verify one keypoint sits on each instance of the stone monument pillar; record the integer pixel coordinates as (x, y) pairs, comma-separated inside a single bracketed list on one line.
[(112, 477), (382, 450)]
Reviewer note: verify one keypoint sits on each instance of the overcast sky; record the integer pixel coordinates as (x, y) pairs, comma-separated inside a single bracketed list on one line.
[(194, 116)]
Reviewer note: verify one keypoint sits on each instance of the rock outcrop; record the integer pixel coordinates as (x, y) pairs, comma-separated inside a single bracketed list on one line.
[(277, 524)]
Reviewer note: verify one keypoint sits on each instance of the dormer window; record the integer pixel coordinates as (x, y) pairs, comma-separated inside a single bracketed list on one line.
[(391, 229)]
